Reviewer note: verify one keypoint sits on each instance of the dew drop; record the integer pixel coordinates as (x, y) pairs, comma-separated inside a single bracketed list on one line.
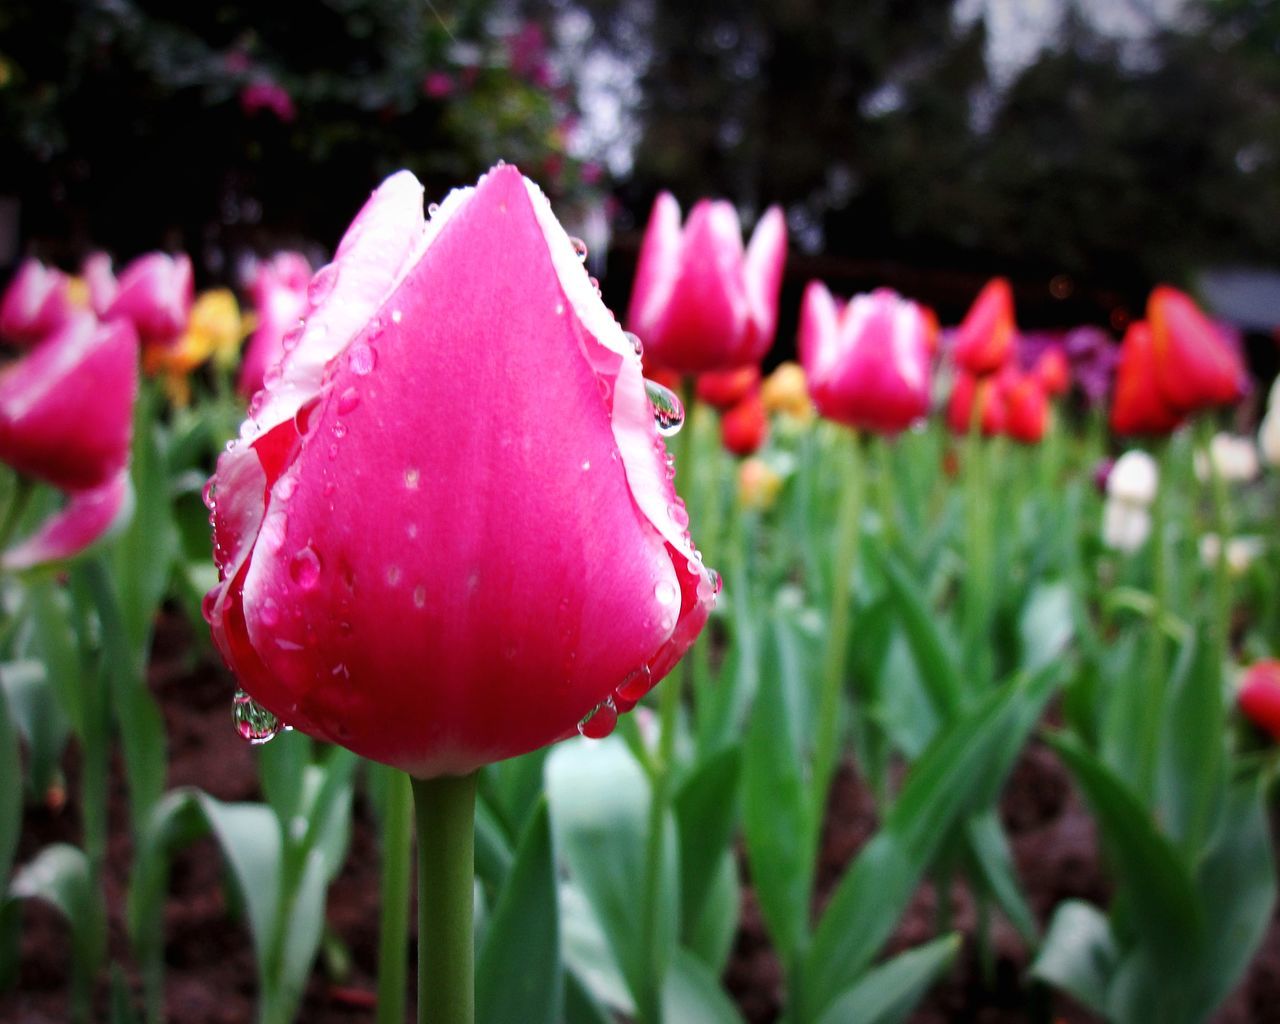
[(668, 413), (579, 248), (270, 613), (322, 284), (285, 487), (253, 722), (412, 478), (339, 430), (333, 452), (393, 575), (595, 283), (433, 209), (272, 376), (412, 530), (420, 596), (559, 309), (207, 494), (586, 465), (348, 400), (362, 360), (396, 316), (666, 592), (679, 514), (600, 720), (304, 568), (292, 336), (256, 403), (636, 685), (637, 346)]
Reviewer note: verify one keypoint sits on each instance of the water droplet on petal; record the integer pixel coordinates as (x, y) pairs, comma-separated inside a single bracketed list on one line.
[(579, 248), (339, 430), (412, 477), (322, 284), (270, 613), (637, 346), (433, 209), (271, 377), (595, 283), (666, 592), (207, 494), (348, 400), (600, 720), (679, 514), (668, 413), (285, 487), (253, 722), (636, 685), (586, 465), (393, 575), (304, 568), (396, 316), (420, 596), (362, 359)]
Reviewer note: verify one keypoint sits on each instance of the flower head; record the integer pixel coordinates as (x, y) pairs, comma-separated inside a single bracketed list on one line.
[(35, 304), (984, 340), (1259, 696), (448, 532)]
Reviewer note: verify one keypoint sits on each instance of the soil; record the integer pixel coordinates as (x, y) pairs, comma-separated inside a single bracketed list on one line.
[(210, 974)]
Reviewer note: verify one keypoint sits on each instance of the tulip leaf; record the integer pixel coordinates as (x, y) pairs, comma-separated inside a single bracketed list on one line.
[(580, 1006), (11, 792), (963, 768), (711, 935), (282, 764), (904, 710), (935, 653), (599, 799), (60, 875), (1191, 766), (35, 712), (586, 951), (888, 992), (986, 842), (54, 644), (706, 808), (1154, 877), (777, 822), (494, 855), (692, 994), (1237, 884), (1046, 626), (524, 930), (302, 925), (1079, 954), (326, 807)]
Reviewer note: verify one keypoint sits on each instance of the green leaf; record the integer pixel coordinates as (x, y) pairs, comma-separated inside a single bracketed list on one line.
[(494, 855), (934, 651), (991, 855), (39, 719), (54, 644), (11, 792), (1046, 625), (524, 930), (59, 875), (302, 928), (580, 1006), (513, 789), (282, 764), (706, 808), (1191, 762), (587, 953), (712, 934), (692, 995), (1154, 876), (777, 823), (1237, 884), (887, 993), (599, 800), (1079, 954), (962, 768)]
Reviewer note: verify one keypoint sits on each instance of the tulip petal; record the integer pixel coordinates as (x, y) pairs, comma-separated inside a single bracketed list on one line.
[(762, 269), (35, 304), (657, 267), (85, 518)]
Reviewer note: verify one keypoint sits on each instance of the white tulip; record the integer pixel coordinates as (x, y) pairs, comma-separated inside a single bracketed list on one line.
[(1134, 479), (1125, 525), (1235, 458)]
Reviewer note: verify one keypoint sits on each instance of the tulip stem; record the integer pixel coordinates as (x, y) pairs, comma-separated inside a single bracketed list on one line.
[(393, 930), (1221, 568), (445, 810), (1158, 658), (825, 747)]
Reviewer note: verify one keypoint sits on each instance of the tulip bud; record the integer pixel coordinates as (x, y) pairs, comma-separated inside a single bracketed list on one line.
[(1026, 408), (1195, 366), (744, 428), (1235, 459), (785, 391), (1053, 371), (726, 388), (1134, 479), (1259, 696), (1138, 406), (758, 484), (279, 293), (985, 338), (35, 304), (155, 294)]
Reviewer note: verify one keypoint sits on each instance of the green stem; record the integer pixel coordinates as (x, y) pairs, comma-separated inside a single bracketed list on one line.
[(1158, 663), (393, 930), (1221, 570), (885, 450), (445, 810), (978, 575), (847, 533)]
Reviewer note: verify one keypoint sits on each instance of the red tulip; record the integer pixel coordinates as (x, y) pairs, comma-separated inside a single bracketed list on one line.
[(1195, 366), (35, 304), (448, 532), (155, 294), (868, 364), (1026, 407), (66, 408), (700, 302), (984, 340), (1138, 406), (279, 293), (1259, 696), (1053, 371), (968, 389), (66, 417), (745, 427), (726, 388)]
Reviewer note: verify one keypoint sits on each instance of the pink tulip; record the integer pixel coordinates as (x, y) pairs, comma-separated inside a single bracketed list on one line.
[(279, 293), (867, 363), (66, 408), (1259, 696), (101, 280), (700, 302), (66, 417), (448, 534), (155, 294), (35, 304)]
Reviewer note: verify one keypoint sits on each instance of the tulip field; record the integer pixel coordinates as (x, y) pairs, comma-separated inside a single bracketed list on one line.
[(413, 637)]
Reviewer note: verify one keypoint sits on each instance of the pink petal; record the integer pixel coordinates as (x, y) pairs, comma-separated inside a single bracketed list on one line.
[(155, 293), (86, 517), (98, 275), (657, 267), (279, 293), (762, 270), (66, 408), (474, 539), (35, 304)]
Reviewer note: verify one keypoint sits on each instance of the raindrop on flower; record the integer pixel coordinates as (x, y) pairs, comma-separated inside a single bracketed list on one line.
[(668, 413), (396, 316), (665, 592), (362, 360), (637, 346), (636, 685), (420, 596), (270, 613), (595, 283), (339, 430), (253, 722), (579, 248), (433, 209), (322, 284), (679, 514), (304, 568), (272, 376), (393, 575), (348, 400), (207, 493), (412, 477), (598, 723)]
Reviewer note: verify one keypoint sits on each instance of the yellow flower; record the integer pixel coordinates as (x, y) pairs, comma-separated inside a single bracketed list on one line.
[(784, 391), (214, 330), (758, 484)]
